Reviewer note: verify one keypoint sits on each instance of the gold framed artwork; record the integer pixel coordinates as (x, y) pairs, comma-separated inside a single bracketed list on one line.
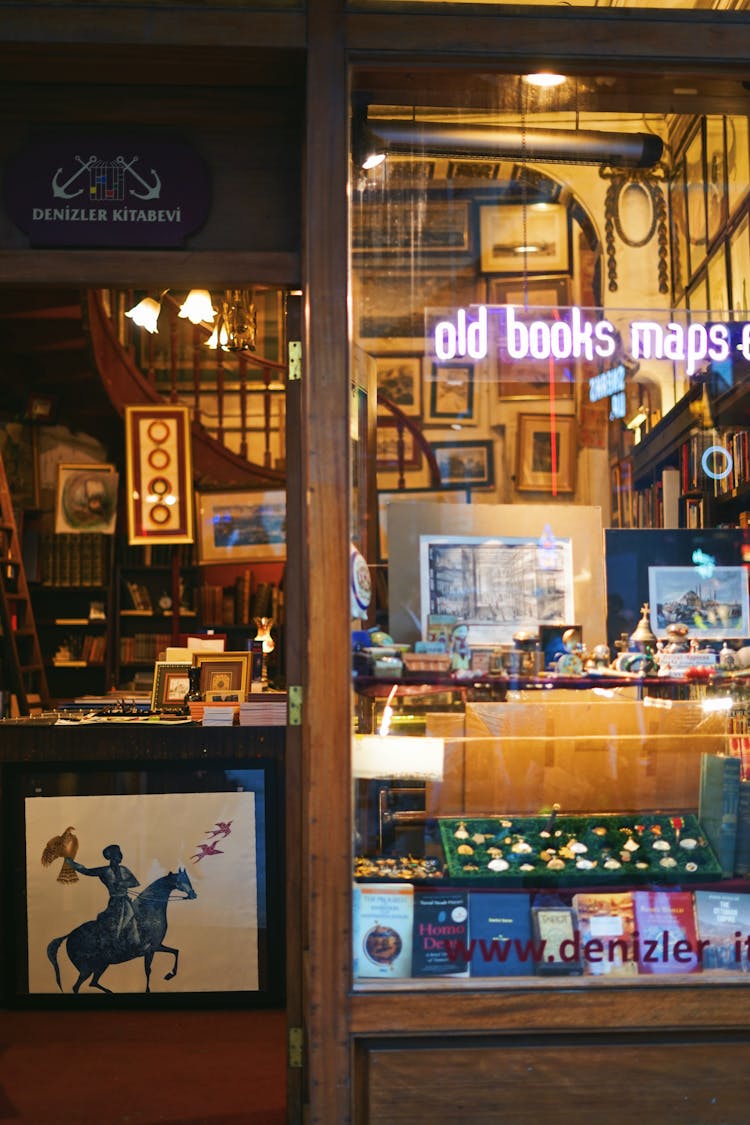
[(223, 673), (86, 498), (546, 453), (524, 238), (171, 685), (159, 474), (240, 527)]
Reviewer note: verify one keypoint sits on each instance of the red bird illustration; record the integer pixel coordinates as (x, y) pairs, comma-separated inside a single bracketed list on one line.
[(204, 850), (221, 828), (62, 847)]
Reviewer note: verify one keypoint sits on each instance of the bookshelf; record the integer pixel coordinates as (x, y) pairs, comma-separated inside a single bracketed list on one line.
[(72, 602), (694, 466)]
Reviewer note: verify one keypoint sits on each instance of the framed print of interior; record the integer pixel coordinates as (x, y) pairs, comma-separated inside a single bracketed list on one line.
[(546, 453), (240, 527), (159, 474), (399, 379), (538, 299), (529, 238), (465, 464), (450, 393), (86, 498)]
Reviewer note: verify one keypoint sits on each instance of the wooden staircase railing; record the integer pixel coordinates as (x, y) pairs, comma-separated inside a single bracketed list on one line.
[(215, 463), (403, 424)]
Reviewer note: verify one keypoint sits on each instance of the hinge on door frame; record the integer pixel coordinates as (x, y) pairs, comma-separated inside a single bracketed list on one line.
[(295, 705), (295, 360), (296, 1043)]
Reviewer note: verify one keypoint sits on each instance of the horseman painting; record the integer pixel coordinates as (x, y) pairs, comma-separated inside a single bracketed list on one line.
[(127, 928), (159, 893)]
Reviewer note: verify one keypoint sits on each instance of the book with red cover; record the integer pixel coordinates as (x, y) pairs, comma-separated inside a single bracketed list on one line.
[(667, 932)]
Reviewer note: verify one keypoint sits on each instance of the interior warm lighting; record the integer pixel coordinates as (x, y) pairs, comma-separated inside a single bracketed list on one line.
[(373, 160), (145, 314), (236, 323), (638, 419), (545, 79), (198, 308)]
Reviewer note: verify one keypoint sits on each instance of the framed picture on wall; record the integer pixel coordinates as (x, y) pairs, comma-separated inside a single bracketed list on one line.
[(450, 393), (396, 446), (537, 299), (465, 464), (528, 238), (546, 453), (392, 227), (86, 498), (739, 266), (159, 474), (240, 527), (390, 306), (399, 379)]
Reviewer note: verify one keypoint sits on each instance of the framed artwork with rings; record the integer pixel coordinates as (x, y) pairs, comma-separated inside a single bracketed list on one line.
[(159, 474)]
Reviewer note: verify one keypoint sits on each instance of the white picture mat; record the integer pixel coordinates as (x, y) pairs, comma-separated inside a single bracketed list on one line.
[(496, 585), (582, 524), (726, 586), (216, 933)]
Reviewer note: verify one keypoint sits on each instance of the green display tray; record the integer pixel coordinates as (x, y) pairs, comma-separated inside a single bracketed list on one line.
[(603, 836)]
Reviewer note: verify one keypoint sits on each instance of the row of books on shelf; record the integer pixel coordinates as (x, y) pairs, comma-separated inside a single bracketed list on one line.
[(74, 560), (240, 603), (143, 648), (403, 931), (89, 649), (715, 461)]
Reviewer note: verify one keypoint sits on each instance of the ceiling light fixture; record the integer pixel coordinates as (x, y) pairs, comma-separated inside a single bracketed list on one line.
[(544, 79)]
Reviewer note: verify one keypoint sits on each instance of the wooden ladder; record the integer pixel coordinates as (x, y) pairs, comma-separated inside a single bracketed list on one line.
[(23, 663)]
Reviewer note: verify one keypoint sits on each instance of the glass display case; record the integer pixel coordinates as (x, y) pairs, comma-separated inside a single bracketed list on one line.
[(596, 832)]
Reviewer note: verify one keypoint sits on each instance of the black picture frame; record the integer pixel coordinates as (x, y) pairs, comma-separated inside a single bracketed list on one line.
[(126, 778), (465, 464)]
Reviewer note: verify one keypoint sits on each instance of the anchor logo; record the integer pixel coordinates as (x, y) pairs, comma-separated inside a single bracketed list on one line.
[(106, 180)]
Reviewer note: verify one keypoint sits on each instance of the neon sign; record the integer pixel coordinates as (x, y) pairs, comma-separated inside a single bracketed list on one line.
[(569, 335)]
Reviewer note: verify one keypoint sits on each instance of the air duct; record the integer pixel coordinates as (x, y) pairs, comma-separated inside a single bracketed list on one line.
[(543, 146)]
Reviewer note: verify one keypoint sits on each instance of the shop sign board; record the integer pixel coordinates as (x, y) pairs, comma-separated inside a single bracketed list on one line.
[(572, 334), (107, 189)]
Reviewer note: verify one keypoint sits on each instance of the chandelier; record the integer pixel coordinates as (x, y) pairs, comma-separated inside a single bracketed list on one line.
[(232, 324)]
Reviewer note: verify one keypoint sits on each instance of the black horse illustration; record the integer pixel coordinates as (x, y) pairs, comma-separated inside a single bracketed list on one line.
[(92, 947)]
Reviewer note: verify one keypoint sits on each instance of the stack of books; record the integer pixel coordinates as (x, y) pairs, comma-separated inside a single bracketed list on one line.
[(218, 716), (265, 709)]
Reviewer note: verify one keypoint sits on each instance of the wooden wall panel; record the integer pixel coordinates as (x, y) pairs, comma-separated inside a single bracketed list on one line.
[(695, 1081)]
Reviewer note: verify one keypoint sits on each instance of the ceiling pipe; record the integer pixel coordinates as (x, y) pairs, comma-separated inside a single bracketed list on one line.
[(544, 146)]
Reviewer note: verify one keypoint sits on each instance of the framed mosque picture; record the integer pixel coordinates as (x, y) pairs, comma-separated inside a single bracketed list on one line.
[(147, 886)]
